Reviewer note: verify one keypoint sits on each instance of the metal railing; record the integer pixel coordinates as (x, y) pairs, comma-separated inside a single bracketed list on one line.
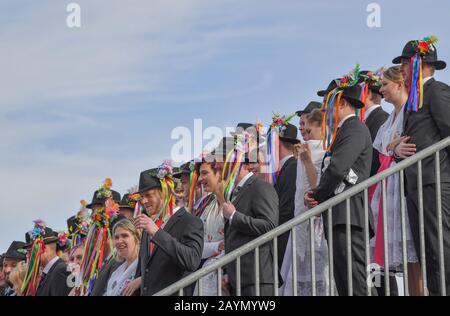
[(272, 235)]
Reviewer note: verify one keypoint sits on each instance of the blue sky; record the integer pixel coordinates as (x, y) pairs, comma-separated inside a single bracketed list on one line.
[(79, 105)]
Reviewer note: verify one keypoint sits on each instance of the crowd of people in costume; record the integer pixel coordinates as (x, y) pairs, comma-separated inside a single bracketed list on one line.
[(179, 220)]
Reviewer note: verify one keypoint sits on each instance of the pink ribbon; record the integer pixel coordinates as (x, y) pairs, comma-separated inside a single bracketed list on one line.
[(385, 162)]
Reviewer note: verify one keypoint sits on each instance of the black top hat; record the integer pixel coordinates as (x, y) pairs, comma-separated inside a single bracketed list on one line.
[(49, 236), (16, 251), (125, 203), (240, 128), (225, 146), (148, 180), (352, 95), (373, 86), (72, 224), (99, 200), (331, 86), (411, 48), (309, 108), (289, 134), (184, 169)]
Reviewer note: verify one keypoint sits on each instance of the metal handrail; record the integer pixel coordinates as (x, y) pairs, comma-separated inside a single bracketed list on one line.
[(322, 207)]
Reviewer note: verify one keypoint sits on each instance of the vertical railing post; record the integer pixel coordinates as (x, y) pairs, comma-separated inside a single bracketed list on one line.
[(238, 276), (199, 286), (330, 250), (312, 257), (349, 249), (275, 265), (294, 261), (219, 281), (387, 288), (403, 224), (421, 227), (257, 288), (439, 219), (367, 242)]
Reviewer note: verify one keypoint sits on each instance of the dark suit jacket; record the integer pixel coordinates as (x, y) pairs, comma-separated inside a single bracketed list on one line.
[(352, 149), (178, 251), (256, 214), (55, 282), (101, 282), (285, 187), (376, 118), (426, 127)]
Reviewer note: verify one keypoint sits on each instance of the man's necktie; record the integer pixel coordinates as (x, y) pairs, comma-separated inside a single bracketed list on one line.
[(41, 282)]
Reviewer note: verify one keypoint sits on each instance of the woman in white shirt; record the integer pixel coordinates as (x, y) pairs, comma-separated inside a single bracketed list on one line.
[(126, 241), (210, 213), (310, 156)]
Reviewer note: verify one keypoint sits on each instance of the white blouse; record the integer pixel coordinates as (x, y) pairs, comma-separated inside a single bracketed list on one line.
[(120, 278)]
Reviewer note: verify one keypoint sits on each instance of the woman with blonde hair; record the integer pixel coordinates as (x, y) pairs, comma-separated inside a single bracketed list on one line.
[(17, 276), (395, 92), (122, 270)]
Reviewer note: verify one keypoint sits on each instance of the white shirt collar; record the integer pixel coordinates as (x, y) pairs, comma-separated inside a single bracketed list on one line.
[(370, 110), (50, 265), (244, 179), (426, 79), (344, 119), (176, 209), (283, 161)]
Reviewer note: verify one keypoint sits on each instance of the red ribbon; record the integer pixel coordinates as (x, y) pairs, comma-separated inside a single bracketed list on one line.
[(158, 223)]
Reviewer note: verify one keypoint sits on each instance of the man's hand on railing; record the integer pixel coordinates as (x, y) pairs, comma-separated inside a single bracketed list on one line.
[(310, 202)]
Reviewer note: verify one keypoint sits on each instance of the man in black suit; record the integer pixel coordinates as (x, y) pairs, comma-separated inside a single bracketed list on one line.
[(55, 276), (171, 245), (252, 212), (285, 185), (347, 163), (423, 128)]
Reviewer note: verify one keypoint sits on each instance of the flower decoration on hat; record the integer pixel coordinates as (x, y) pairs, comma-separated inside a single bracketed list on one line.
[(277, 130), (63, 239), (350, 79), (133, 199), (415, 93), (165, 172), (373, 78), (424, 46), (105, 190), (165, 169), (39, 229), (368, 80)]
